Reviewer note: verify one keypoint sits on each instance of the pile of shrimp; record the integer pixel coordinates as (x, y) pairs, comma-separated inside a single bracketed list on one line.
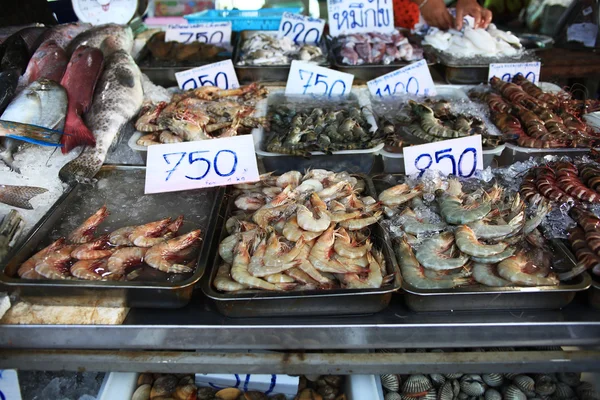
[(466, 238), (113, 256), (301, 232), (585, 243), (530, 117)]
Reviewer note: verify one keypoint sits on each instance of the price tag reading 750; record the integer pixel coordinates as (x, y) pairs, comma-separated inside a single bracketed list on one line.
[(193, 165), (305, 78), (460, 157)]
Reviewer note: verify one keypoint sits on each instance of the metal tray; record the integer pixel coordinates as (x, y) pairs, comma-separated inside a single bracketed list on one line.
[(265, 73), (310, 303), (127, 207), (479, 297), (594, 294)]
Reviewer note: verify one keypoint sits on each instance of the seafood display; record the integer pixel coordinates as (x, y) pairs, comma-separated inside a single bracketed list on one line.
[(263, 48), (301, 232), (485, 43), (114, 256), (11, 229), (297, 128), (429, 121), (585, 243), (530, 117), (183, 52), (375, 48), (200, 114), (163, 386), (19, 196), (492, 386), (446, 237)]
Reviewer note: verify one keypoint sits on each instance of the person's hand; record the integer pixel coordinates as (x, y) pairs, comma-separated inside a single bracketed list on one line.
[(436, 14), (482, 16)]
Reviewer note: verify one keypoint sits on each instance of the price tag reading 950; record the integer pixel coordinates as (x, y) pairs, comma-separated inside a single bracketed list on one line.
[(530, 70), (205, 163), (305, 78), (460, 157), (412, 79), (220, 74), (212, 32), (300, 28)]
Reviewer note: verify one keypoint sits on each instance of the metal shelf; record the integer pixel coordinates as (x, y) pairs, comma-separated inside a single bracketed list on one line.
[(199, 327)]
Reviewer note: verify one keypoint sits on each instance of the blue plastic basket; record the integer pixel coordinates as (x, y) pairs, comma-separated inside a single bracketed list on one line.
[(266, 19)]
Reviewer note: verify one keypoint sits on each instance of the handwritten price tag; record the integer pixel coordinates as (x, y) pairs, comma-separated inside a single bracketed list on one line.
[(530, 70), (212, 32), (9, 385), (219, 74), (306, 78), (355, 16), (300, 28), (460, 157), (205, 163), (412, 79)]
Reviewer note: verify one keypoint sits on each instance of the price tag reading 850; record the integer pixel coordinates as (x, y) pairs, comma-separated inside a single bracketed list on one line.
[(220, 74), (205, 163), (460, 157)]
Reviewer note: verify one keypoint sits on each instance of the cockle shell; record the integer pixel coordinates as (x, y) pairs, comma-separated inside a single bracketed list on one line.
[(453, 376), (570, 378), (511, 392), (445, 392), (493, 380), (462, 396), (393, 396), (563, 391), (544, 385), (229, 393), (583, 387), (510, 375), (492, 394), (472, 385), (164, 386), (142, 393), (437, 380), (431, 395), (390, 382), (416, 384), (525, 383)]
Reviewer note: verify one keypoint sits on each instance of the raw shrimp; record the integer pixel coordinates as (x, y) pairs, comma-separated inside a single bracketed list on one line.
[(93, 250), (320, 175), (300, 276), (398, 195), (279, 278), (467, 243), (250, 201), (265, 215), (271, 191), (93, 270), (27, 269), (124, 258), (532, 223), (430, 254), (336, 191), (239, 270), (308, 268), (496, 258), (309, 186), (85, 232), (308, 222), (414, 226), (228, 244), (223, 281), (486, 274), (413, 272), (360, 223), (54, 264), (320, 255), (166, 255), (487, 231), (275, 254), (344, 216), (361, 261), (149, 234), (289, 178), (373, 280), (514, 270), (292, 232), (455, 213), (348, 247), (120, 237)]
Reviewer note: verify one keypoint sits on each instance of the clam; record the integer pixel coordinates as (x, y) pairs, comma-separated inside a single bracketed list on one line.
[(583, 387), (525, 383), (393, 396), (328, 392), (144, 379), (164, 386), (186, 392), (445, 392), (206, 393), (431, 395), (390, 382), (493, 380), (544, 385), (308, 394), (510, 375), (511, 392), (142, 393), (414, 385), (453, 376), (472, 385), (229, 394), (462, 396), (563, 391), (333, 380), (254, 395), (437, 380), (570, 378), (492, 394)]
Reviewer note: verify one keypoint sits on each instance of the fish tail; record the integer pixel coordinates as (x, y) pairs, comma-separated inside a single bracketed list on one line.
[(19, 196), (81, 169), (76, 133)]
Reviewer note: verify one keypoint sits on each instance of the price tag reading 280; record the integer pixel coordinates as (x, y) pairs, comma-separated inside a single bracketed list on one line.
[(205, 163), (460, 157), (305, 78)]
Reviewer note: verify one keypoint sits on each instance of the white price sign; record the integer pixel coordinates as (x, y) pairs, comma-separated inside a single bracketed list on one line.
[(219, 74), (306, 78), (300, 28), (460, 157), (9, 385), (205, 163), (355, 16), (212, 32), (412, 79), (530, 70)]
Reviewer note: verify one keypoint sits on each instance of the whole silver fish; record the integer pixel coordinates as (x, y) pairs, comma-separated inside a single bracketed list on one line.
[(19, 196), (42, 103), (117, 99), (118, 37)]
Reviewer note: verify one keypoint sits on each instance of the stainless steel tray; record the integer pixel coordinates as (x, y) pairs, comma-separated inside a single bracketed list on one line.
[(121, 188), (265, 73), (310, 303), (480, 297)]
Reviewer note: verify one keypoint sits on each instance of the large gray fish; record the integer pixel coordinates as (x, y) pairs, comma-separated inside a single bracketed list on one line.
[(117, 99), (19, 196), (43, 103), (63, 34), (120, 38)]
